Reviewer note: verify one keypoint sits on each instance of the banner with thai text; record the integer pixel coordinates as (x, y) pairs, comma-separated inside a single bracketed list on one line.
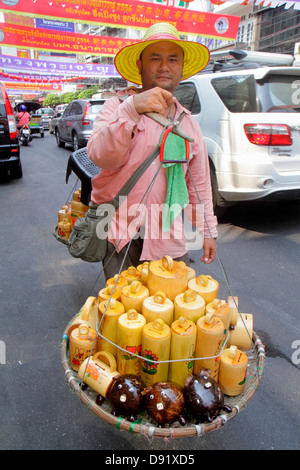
[(47, 67), (267, 3), (32, 86), (45, 39), (128, 14)]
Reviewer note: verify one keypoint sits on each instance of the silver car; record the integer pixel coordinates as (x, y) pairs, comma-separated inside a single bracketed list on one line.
[(251, 125), (58, 112), (46, 115), (76, 124)]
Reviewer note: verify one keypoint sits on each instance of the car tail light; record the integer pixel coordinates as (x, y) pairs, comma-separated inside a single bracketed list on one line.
[(13, 132), (268, 134), (85, 119), (12, 126)]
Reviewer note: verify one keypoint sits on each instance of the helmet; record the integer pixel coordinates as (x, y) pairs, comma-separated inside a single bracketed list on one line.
[(22, 108)]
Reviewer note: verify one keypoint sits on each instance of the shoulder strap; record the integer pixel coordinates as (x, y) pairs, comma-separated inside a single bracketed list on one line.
[(138, 173), (140, 170)]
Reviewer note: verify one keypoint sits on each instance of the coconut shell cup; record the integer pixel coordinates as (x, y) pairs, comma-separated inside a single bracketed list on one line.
[(126, 396), (165, 403), (203, 398)]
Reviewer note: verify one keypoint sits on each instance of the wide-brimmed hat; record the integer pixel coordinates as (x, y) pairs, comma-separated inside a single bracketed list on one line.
[(196, 56)]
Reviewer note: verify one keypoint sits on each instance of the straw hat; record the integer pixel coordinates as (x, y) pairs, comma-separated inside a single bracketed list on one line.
[(196, 56)]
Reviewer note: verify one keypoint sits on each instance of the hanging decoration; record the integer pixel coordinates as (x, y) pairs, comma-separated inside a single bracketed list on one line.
[(266, 3), (23, 82), (127, 14)]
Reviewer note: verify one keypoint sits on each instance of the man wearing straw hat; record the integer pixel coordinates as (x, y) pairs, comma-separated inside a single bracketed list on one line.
[(123, 136)]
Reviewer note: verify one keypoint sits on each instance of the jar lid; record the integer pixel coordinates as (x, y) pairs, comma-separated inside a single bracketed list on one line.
[(131, 274), (210, 323), (234, 356), (119, 280), (189, 300), (184, 326), (157, 329), (168, 268), (114, 308), (203, 283), (83, 333), (132, 319), (135, 289)]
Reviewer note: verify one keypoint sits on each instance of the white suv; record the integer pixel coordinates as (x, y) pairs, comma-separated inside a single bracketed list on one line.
[(250, 121)]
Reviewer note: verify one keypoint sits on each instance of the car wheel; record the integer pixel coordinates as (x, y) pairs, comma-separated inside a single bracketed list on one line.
[(42, 134), (75, 142), (58, 141), (219, 203)]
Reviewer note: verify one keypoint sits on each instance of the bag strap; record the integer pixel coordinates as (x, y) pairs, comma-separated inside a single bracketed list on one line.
[(140, 170)]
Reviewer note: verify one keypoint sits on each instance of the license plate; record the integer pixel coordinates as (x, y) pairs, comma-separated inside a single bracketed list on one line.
[(25, 131)]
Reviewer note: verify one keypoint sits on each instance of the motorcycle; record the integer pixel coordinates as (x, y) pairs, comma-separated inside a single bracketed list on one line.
[(25, 135)]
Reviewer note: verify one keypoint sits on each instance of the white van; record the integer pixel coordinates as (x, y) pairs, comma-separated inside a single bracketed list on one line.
[(249, 117)]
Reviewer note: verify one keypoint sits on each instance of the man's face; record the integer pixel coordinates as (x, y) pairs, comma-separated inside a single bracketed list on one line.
[(161, 65)]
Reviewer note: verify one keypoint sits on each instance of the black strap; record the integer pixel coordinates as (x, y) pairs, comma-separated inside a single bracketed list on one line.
[(140, 170)]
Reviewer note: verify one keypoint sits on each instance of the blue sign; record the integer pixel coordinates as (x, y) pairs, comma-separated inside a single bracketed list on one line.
[(55, 24)]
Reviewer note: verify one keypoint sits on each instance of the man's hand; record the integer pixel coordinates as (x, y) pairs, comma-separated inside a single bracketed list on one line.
[(209, 250), (155, 100)]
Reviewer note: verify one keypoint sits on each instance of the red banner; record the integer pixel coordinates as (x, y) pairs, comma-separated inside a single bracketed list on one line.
[(47, 39), (32, 86), (128, 14)]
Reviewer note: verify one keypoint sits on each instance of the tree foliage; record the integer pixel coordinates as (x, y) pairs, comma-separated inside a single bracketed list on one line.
[(53, 99)]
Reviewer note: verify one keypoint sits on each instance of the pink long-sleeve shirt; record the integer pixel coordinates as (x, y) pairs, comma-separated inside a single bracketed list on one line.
[(121, 140)]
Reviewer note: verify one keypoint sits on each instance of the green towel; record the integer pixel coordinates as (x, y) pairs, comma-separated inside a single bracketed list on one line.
[(177, 194)]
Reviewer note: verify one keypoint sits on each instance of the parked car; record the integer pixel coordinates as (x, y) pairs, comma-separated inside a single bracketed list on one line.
[(249, 117), (58, 112), (76, 124), (10, 163), (46, 114), (60, 108)]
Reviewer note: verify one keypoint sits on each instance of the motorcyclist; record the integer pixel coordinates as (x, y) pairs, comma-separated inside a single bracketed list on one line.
[(23, 117)]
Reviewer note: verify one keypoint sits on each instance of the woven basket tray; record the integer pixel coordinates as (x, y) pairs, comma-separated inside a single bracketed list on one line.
[(144, 424)]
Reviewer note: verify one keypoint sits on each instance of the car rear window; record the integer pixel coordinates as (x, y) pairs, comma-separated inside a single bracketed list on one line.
[(279, 93), (95, 107), (47, 111), (237, 92)]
